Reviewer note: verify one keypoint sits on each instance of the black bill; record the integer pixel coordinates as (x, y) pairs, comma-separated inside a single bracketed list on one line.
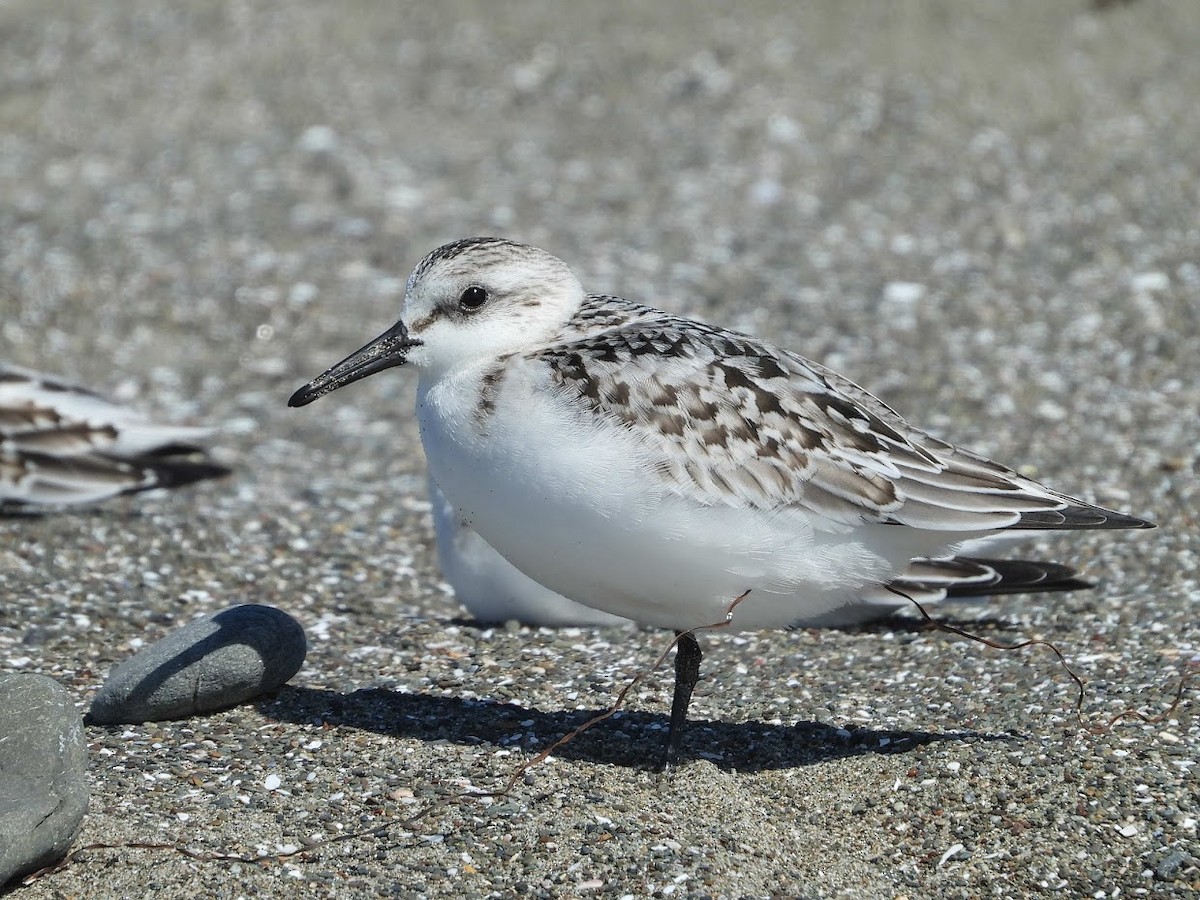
[(384, 352)]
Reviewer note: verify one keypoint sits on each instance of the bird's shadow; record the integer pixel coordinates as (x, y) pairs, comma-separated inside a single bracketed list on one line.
[(633, 740), (630, 739)]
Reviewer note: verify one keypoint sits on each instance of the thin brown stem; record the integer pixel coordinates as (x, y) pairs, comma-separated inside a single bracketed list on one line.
[(1079, 683)]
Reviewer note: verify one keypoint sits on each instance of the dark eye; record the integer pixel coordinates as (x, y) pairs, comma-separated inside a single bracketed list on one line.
[(472, 298)]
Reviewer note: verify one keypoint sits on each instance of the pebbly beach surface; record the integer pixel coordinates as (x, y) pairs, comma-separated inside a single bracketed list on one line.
[(986, 214)]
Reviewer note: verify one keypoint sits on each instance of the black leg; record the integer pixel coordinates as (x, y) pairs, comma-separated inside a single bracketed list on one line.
[(687, 673)]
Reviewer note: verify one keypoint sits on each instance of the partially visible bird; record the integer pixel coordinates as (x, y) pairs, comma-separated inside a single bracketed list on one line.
[(491, 588), (61, 444)]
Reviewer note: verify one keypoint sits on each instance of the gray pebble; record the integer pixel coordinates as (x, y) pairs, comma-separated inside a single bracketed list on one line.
[(43, 792), (209, 664), (1169, 867)]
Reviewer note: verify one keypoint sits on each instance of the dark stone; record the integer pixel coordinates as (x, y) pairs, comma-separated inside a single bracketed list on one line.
[(209, 664)]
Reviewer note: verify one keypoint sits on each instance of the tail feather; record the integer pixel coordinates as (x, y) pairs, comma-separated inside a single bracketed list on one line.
[(173, 473), (967, 576), (1079, 516)]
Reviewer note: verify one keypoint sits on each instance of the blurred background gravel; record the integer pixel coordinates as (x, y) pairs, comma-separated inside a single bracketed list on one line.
[(984, 212)]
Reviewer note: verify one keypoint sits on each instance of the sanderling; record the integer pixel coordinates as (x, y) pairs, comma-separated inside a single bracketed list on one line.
[(61, 444), (655, 467)]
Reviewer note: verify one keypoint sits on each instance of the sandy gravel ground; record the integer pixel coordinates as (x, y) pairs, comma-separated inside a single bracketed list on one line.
[(985, 212)]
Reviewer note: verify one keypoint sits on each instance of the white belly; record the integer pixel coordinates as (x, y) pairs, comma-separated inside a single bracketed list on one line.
[(577, 506)]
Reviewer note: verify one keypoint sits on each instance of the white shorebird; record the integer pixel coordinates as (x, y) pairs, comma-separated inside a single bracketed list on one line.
[(61, 444), (655, 468)]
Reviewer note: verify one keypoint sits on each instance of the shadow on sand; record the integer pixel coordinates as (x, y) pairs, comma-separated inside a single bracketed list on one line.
[(629, 739)]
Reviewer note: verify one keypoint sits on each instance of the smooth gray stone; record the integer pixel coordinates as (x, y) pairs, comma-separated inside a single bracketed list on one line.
[(43, 761), (209, 664)]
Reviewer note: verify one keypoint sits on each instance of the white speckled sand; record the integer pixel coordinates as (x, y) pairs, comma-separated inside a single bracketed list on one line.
[(985, 212)]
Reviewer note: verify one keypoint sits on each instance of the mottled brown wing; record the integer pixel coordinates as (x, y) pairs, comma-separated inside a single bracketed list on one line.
[(737, 422)]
